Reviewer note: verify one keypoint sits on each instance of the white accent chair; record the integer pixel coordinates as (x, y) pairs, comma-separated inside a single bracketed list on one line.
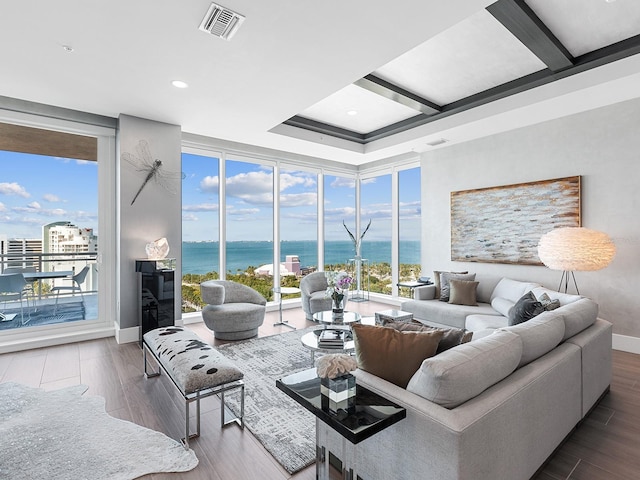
[(313, 288), (76, 281)]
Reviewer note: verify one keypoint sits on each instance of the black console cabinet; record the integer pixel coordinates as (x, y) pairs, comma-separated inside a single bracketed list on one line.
[(156, 297)]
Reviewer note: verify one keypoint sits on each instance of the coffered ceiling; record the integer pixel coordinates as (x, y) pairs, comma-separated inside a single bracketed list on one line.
[(353, 82)]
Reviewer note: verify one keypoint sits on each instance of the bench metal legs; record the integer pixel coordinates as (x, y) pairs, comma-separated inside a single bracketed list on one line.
[(196, 396)]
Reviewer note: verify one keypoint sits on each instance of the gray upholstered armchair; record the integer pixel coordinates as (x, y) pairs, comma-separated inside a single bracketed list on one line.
[(233, 311), (313, 288)]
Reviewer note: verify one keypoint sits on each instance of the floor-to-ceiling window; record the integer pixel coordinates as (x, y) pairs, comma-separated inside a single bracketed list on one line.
[(298, 225), (55, 208), (339, 210), (375, 214), (409, 225), (200, 225), (249, 224)]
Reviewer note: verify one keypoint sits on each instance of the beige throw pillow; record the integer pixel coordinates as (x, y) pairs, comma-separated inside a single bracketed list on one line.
[(445, 279), (451, 336), (393, 355), (463, 292), (436, 280)]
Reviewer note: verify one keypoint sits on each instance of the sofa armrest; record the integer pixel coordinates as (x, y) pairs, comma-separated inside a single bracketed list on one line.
[(426, 292)]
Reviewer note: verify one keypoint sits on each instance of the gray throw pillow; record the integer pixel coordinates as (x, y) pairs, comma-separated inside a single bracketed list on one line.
[(446, 277), (525, 309)]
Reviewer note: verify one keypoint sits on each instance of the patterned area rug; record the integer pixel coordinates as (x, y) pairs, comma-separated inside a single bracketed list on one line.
[(281, 425), (61, 435)]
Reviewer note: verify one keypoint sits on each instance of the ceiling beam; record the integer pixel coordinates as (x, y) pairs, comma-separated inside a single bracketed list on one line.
[(325, 129), (396, 94), (525, 25)]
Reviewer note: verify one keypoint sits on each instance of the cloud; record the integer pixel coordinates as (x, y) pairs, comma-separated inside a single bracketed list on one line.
[(288, 180), (242, 211), (298, 199), (190, 217), (343, 182), (3, 208), (201, 207), (13, 189), (209, 184), (50, 197)]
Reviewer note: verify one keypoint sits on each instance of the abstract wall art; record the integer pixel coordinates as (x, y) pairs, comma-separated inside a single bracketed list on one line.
[(504, 224)]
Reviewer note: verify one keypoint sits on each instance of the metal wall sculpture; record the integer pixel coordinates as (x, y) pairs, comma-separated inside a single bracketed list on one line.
[(504, 224)]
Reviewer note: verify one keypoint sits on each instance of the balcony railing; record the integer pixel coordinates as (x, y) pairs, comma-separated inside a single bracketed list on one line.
[(47, 297)]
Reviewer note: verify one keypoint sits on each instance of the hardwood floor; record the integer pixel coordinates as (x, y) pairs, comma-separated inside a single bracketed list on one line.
[(605, 446)]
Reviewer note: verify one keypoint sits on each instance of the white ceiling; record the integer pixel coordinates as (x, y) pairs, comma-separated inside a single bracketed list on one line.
[(288, 56)]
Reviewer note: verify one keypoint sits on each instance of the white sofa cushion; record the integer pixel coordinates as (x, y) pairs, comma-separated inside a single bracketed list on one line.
[(476, 323), (512, 289), (578, 316), (502, 305), (539, 335), (463, 372)]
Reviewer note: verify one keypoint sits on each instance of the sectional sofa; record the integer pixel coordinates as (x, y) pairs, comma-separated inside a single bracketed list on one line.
[(498, 406)]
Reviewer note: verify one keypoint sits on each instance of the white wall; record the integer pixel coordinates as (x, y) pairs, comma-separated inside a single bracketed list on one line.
[(603, 146), (156, 212)]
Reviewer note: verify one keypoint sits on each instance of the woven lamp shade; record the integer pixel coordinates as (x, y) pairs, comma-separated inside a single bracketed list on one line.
[(576, 249)]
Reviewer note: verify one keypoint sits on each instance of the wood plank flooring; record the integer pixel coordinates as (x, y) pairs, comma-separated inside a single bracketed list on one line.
[(605, 446)]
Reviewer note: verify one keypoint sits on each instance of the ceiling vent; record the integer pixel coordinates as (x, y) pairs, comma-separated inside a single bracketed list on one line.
[(221, 22)]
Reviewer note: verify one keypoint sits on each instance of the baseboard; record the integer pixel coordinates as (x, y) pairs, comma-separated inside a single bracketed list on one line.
[(625, 343), (49, 340)]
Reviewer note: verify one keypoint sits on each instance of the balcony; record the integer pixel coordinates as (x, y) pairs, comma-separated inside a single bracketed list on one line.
[(39, 289)]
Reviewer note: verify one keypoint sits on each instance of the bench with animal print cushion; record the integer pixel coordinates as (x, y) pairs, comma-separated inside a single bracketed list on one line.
[(196, 368)]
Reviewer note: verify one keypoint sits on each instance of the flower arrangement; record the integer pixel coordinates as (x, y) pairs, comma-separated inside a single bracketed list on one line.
[(335, 365), (337, 284)]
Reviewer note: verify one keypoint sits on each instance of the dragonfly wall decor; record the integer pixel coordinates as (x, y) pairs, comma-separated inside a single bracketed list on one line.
[(144, 162)]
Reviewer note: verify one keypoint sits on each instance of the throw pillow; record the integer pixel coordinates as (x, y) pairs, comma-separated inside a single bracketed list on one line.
[(393, 355), (436, 280), (525, 309), (463, 292), (451, 336), (446, 277), (547, 303)]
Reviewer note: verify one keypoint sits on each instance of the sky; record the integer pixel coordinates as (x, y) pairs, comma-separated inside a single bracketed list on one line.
[(249, 203), (36, 190)]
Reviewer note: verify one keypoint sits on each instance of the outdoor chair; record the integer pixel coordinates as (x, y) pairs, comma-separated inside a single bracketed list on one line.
[(76, 281), (13, 287)]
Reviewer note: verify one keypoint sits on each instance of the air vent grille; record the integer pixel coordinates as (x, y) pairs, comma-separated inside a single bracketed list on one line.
[(221, 22)]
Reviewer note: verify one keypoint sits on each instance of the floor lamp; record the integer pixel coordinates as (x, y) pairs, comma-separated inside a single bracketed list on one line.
[(573, 249)]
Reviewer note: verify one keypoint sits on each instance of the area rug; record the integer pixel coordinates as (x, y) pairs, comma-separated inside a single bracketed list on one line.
[(44, 315), (279, 423), (61, 435)]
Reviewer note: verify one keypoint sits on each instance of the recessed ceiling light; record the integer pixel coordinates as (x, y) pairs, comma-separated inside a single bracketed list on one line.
[(438, 141), (352, 112), (179, 84), (67, 48)]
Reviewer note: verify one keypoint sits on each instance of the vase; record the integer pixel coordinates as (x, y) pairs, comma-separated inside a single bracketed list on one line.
[(339, 306), (338, 394)]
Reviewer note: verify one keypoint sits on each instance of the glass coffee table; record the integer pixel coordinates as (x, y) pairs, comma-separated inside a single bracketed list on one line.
[(329, 318), (310, 341)]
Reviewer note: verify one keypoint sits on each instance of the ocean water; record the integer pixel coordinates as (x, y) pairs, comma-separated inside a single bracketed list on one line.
[(202, 257)]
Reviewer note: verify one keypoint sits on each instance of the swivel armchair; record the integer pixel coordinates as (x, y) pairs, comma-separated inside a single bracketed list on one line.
[(233, 311), (313, 288)]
